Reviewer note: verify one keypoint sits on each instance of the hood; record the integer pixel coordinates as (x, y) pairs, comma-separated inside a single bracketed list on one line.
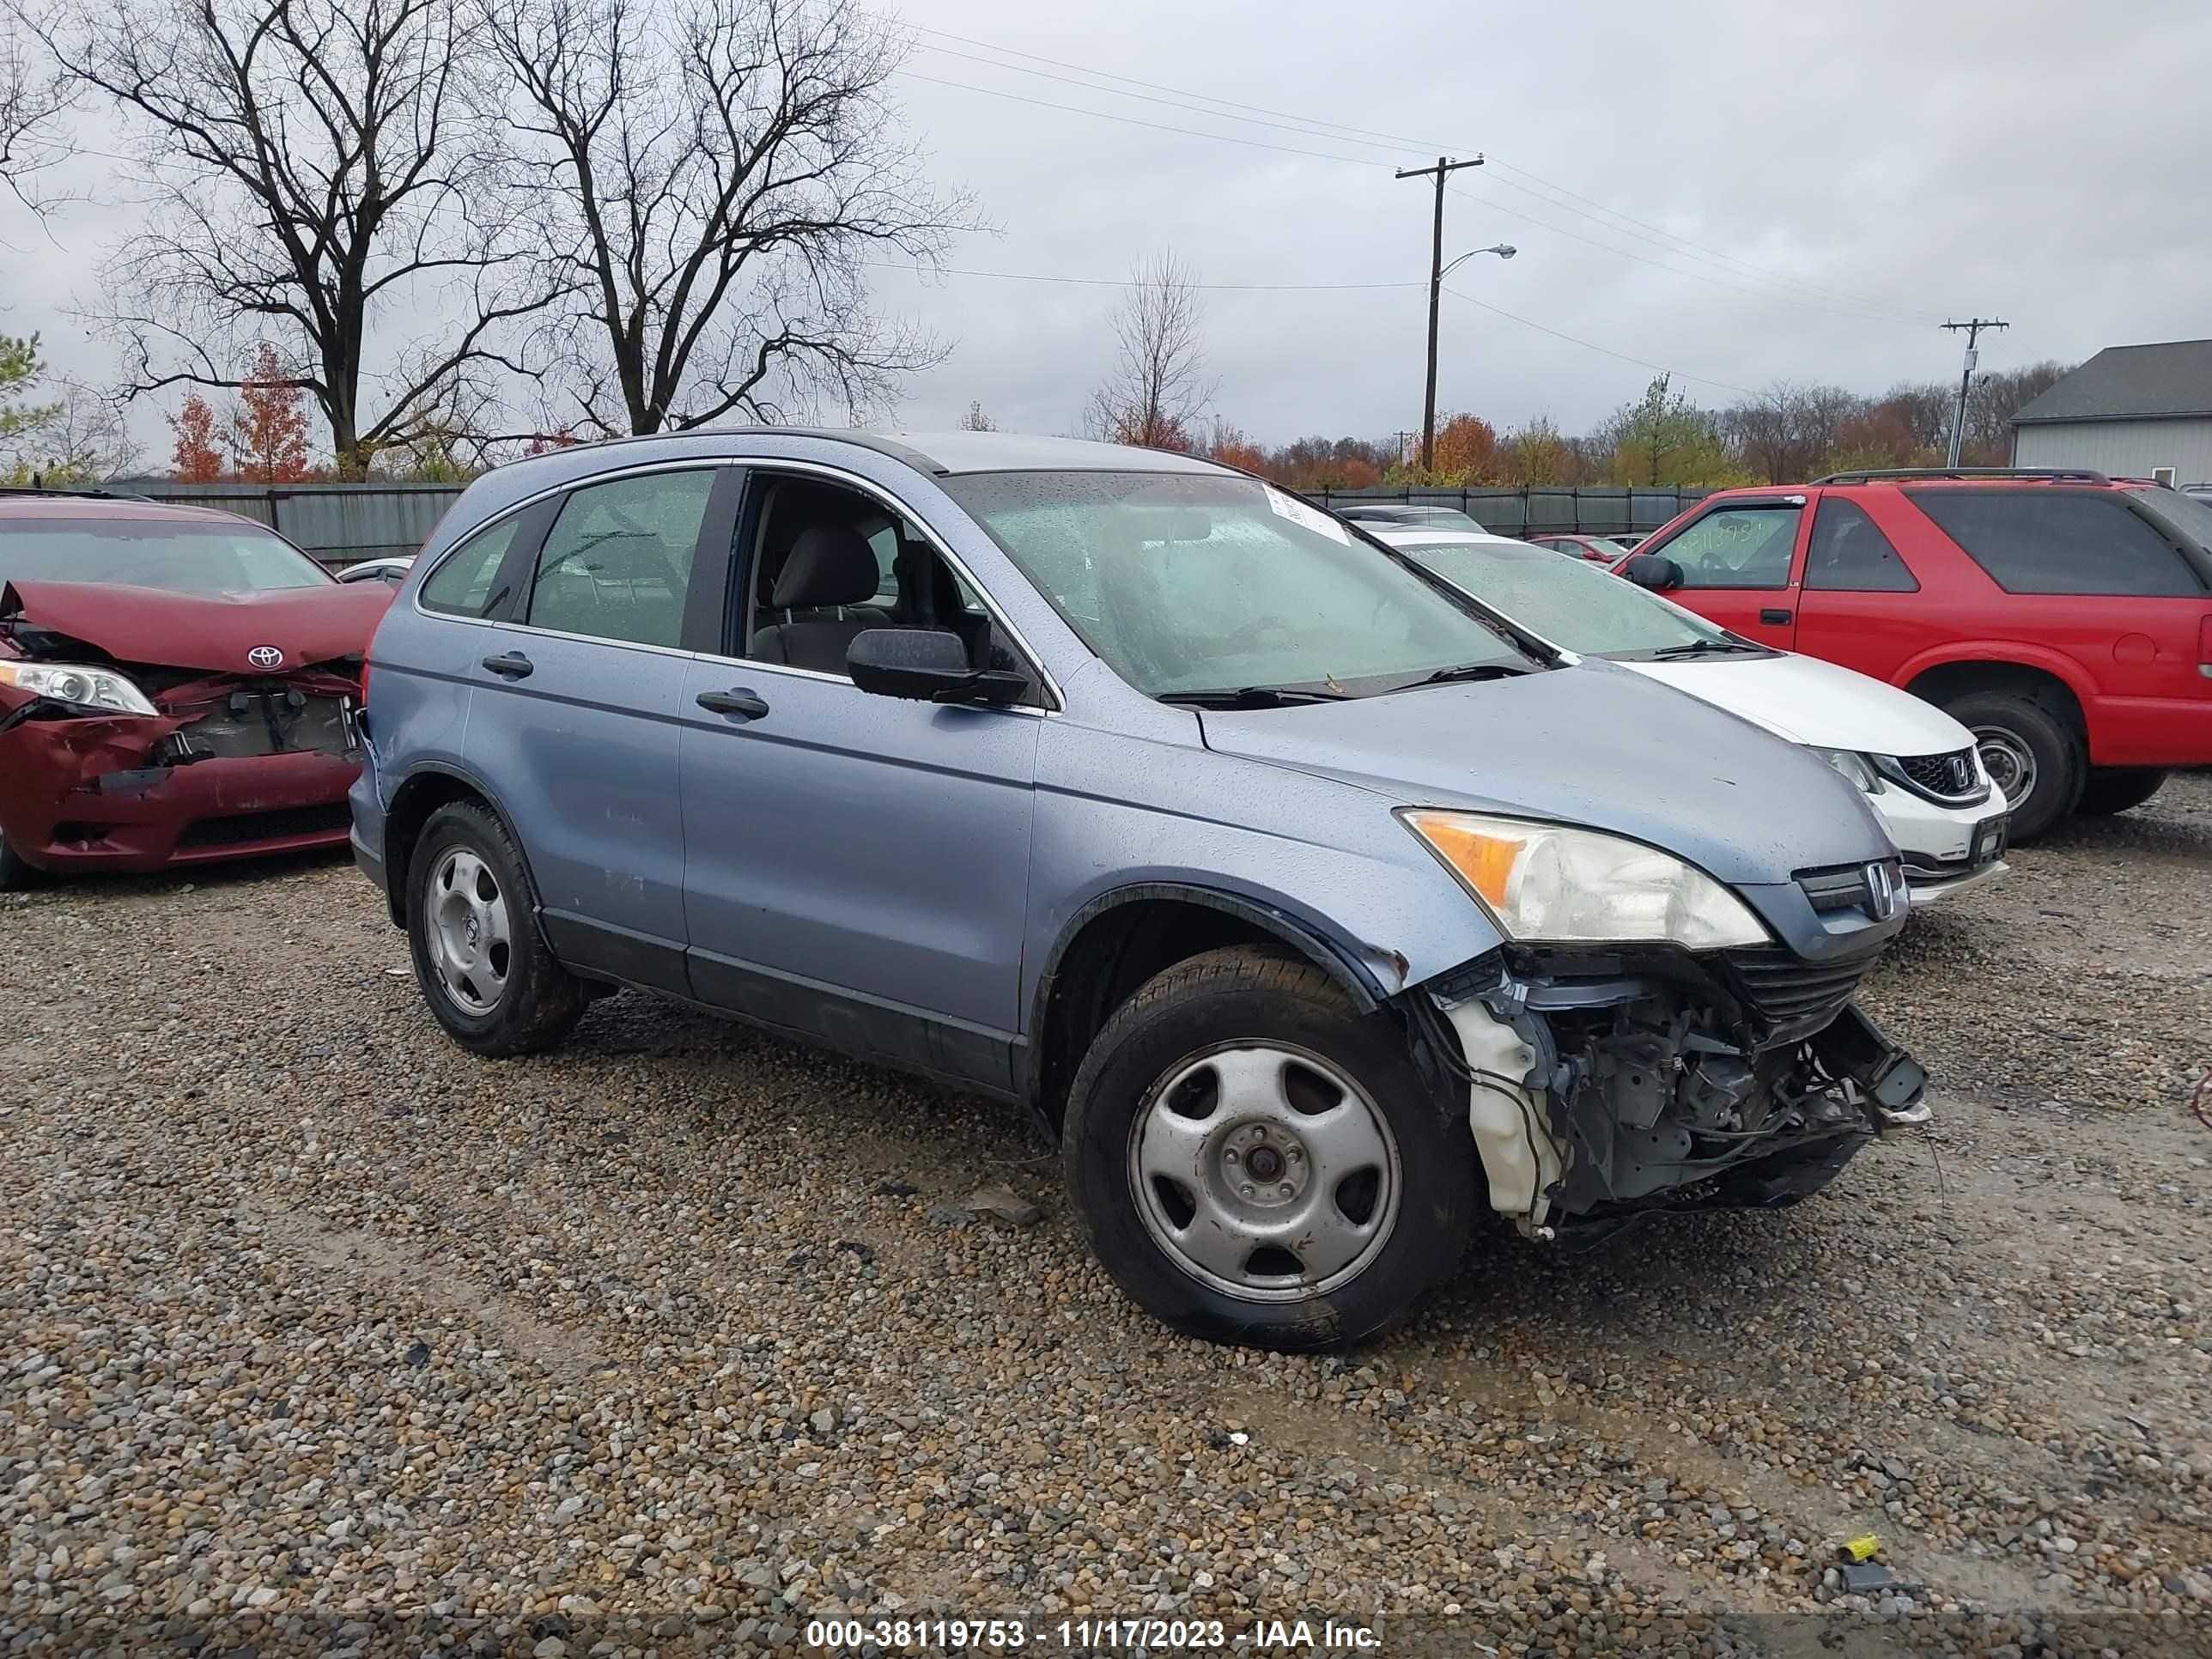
[(1808, 701), (1593, 745), (186, 630)]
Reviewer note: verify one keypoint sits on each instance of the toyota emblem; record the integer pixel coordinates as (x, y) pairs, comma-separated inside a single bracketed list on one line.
[(265, 658)]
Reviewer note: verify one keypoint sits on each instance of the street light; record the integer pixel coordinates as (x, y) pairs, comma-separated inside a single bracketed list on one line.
[(1504, 250)]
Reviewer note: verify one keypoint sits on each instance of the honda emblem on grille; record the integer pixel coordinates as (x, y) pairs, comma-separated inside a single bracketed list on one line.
[(264, 658), (1884, 895), (1962, 774)]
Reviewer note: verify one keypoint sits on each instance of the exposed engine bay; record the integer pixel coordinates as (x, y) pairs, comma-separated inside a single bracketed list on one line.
[(1603, 1085)]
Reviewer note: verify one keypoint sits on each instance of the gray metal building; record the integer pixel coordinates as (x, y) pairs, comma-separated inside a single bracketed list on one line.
[(2126, 411)]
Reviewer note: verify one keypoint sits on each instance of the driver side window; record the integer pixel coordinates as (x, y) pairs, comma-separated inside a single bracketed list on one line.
[(1737, 547)]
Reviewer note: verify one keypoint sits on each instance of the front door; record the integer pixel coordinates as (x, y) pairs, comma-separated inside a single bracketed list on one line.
[(856, 866), (574, 720), (1739, 562)]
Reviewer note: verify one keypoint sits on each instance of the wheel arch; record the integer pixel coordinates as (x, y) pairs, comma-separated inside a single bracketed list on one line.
[(2046, 674), (429, 786), (1121, 938)]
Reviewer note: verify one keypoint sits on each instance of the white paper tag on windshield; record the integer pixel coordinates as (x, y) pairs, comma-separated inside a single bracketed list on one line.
[(1289, 506)]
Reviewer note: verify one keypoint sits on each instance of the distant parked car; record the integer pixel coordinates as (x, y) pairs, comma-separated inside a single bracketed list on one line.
[(1438, 518), (392, 572), (176, 685), (1916, 764), (1598, 550), (2063, 616), (1629, 539)]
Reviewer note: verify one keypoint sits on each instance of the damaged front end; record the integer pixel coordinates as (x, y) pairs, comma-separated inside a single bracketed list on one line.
[(1604, 1084), (131, 765)]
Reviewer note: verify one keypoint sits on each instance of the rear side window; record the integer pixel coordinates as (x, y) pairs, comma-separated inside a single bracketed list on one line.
[(462, 586), (1737, 547), (2052, 541), (617, 565), (1851, 555)]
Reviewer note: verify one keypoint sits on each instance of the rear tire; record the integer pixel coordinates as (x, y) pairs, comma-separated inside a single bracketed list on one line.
[(1254, 1161), (484, 968), (2030, 751), (2116, 788)]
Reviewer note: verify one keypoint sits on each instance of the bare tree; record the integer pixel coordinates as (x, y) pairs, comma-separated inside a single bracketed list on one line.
[(314, 177), (1158, 389), (710, 181), (32, 100), (975, 420)]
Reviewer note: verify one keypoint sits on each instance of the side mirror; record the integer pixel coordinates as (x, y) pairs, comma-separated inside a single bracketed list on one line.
[(926, 664), (1653, 570)]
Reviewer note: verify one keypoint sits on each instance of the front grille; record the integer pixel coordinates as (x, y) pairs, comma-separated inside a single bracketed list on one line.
[(241, 829), (1947, 776), (1789, 996), (1876, 891)]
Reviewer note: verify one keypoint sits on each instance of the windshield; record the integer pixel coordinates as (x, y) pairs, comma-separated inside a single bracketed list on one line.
[(1187, 583), (1580, 606), (180, 555)]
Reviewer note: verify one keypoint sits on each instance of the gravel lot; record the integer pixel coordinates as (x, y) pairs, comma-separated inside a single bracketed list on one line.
[(312, 1327)]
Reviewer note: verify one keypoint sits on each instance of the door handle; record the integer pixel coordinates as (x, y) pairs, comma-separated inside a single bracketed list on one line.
[(1775, 618), (509, 665), (745, 704)]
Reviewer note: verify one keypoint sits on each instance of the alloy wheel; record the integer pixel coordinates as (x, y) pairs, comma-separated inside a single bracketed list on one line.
[(1264, 1172)]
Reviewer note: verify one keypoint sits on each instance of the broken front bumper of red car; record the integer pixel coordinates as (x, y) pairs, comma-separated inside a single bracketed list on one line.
[(125, 792)]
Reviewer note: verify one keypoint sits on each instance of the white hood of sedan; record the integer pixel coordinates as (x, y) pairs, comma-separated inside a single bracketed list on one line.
[(1808, 701)]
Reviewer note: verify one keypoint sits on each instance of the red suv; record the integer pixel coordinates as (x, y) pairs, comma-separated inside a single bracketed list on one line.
[(2064, 617)]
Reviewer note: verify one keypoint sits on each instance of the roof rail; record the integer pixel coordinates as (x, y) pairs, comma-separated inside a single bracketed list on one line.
[(2070, 474)]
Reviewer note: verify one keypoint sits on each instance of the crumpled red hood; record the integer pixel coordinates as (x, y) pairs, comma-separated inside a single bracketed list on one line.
[(183, 630)]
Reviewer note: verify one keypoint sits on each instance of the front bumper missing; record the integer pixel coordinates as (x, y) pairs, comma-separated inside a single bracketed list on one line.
[(1597, 1098)]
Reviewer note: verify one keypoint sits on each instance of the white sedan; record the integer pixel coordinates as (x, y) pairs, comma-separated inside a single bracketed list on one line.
[(1917, 765)]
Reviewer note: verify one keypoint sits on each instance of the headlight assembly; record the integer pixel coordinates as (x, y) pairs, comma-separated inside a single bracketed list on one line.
[(1550, 884), (1859, 768), (101, 690)]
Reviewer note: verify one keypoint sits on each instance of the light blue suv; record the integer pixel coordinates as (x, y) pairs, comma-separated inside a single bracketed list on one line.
[(1315, 908)]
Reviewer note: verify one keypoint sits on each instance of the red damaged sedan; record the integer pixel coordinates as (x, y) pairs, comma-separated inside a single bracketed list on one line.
[(176, 685)]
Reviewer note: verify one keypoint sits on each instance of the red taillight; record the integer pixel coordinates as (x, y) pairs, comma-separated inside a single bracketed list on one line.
[(2204, 646)]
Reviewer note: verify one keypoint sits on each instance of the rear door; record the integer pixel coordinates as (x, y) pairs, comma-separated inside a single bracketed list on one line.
[(574, 721), (1740, 559), (2118, 584)]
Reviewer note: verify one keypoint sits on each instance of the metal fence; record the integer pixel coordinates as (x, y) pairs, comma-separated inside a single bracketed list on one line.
[(338, 524), (1591, 509)]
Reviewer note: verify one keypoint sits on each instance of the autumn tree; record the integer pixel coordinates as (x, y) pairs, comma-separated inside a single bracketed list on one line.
[(976, 421), (316, 169), (710, 183), (1466, 451), (198, 457), (1537, 453), (1232, 448), (1157, 391), (269, 428), (1662, 438)]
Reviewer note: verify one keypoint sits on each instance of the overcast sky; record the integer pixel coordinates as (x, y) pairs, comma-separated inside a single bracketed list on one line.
[(1849, 176)]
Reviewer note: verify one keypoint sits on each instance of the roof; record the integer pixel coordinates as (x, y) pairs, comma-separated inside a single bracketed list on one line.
[(2129, 382), (1421, 535), (936, 452), (64, 506)]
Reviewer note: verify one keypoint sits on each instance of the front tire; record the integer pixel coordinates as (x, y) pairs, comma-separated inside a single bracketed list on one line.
[(2117, 788), (1256, 1161), (2030, 753), (484, 968)]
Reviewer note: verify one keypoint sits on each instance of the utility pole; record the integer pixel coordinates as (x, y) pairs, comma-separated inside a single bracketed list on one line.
[(1973, 327), (1445, 168)]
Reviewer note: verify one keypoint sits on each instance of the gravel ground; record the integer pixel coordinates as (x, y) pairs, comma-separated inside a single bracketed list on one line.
[(316, 1334)]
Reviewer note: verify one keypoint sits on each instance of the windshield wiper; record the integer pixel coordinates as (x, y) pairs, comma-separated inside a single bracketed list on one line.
[(1473, 671), (1703, 648), (1250, 696)]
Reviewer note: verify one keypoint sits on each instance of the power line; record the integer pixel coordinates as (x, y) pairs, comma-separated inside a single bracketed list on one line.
[(1132, 121), (1339, 132), (1575, 339)]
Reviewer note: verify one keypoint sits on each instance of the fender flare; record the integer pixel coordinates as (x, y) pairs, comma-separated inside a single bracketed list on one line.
[(396, 879), (2014, 654)]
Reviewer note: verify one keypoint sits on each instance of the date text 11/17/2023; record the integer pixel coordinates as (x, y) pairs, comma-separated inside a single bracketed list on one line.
[(1151, 1635)]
